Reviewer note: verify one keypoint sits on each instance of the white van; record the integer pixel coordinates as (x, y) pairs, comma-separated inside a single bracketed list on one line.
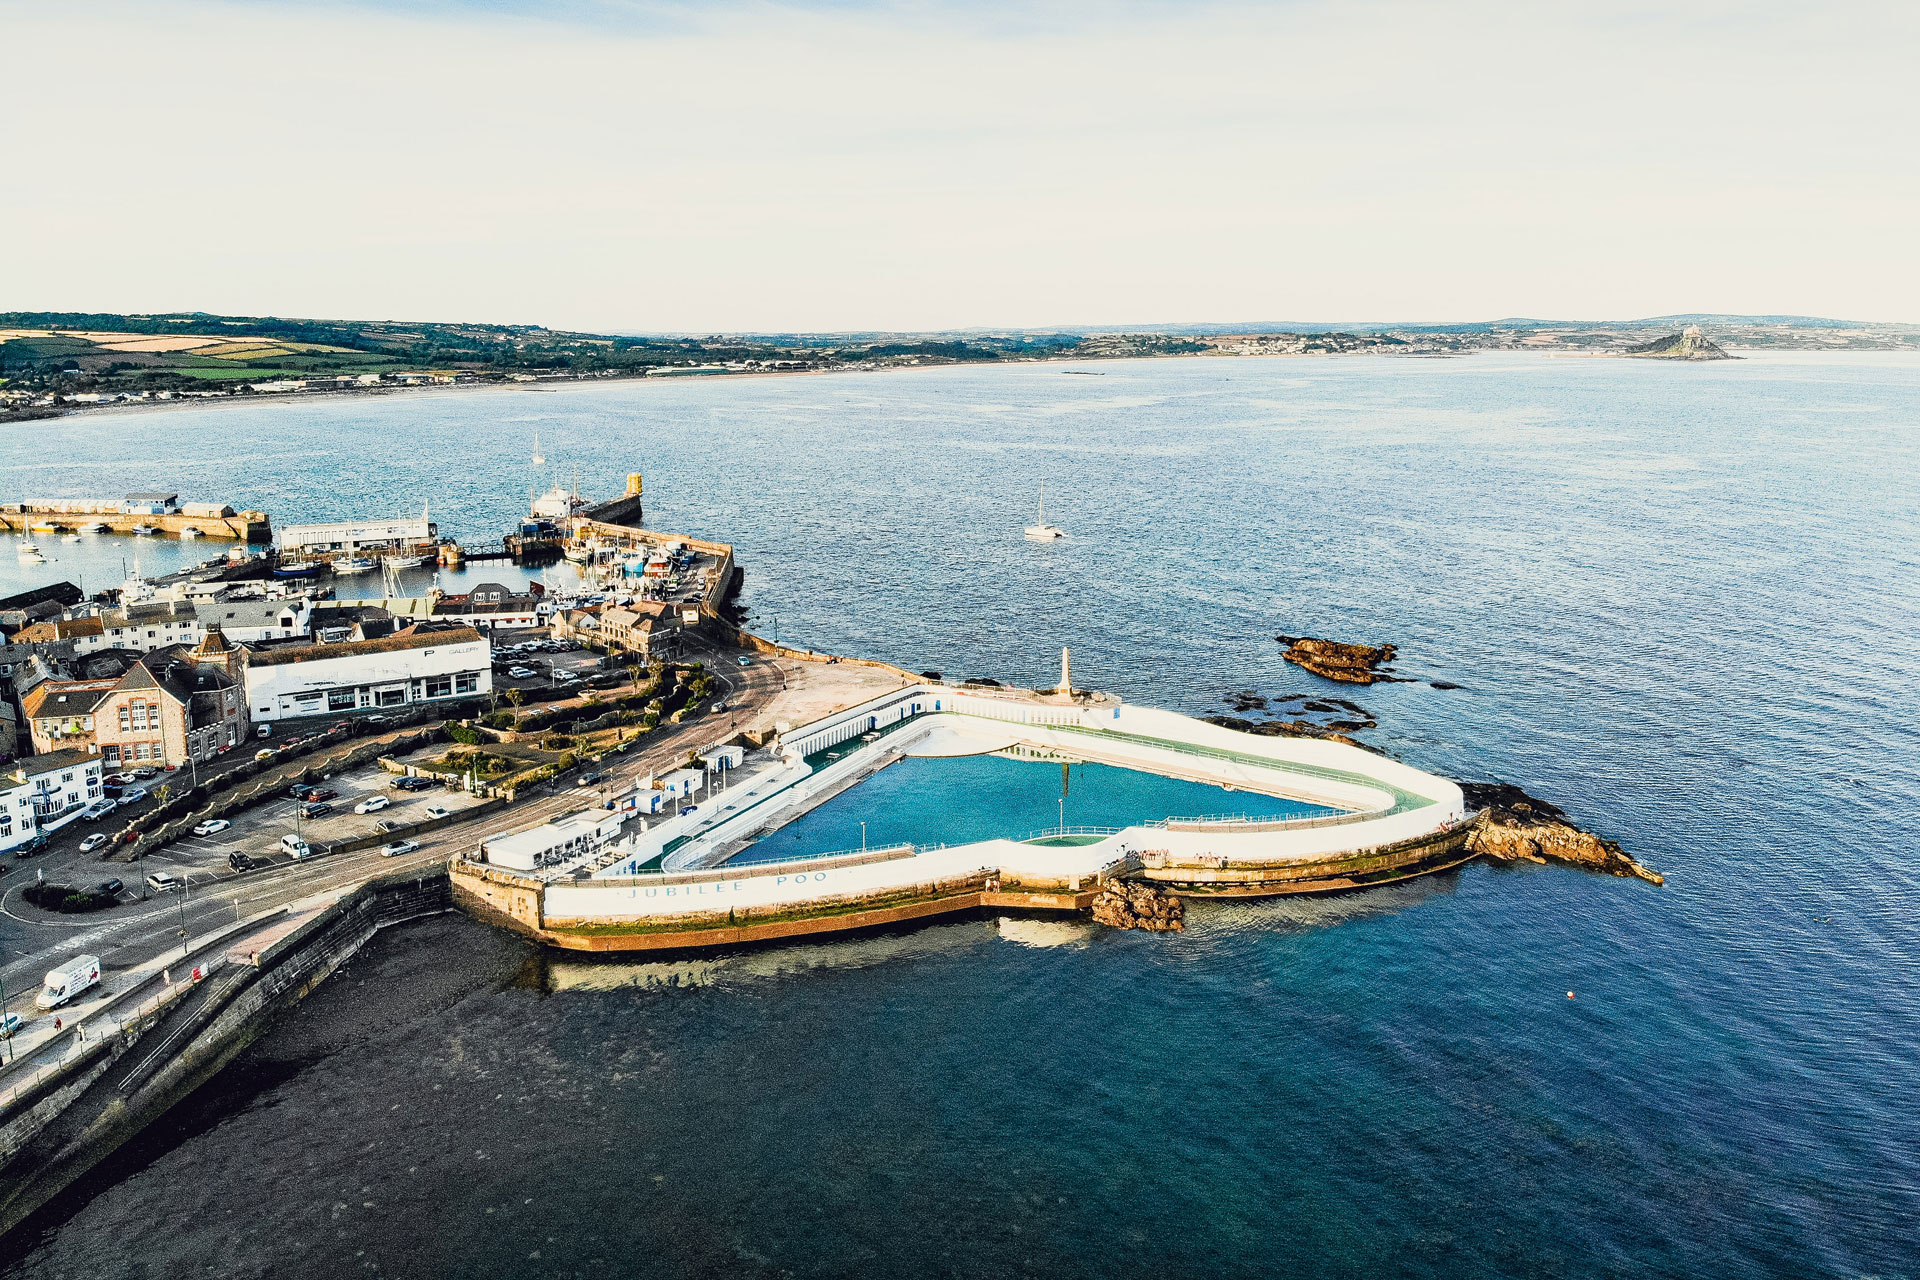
[(296, 846), (69, 980)]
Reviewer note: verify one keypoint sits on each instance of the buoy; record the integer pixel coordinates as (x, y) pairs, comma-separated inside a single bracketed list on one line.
[(1569, 995)]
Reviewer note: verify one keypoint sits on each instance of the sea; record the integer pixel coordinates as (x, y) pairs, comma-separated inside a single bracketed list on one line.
[(1681, 601)]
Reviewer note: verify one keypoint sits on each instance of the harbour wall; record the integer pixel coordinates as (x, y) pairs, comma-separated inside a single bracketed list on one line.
[(53, 1135), (67, 517)]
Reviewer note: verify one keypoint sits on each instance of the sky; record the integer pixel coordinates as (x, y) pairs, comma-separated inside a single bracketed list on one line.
[(629, 166)]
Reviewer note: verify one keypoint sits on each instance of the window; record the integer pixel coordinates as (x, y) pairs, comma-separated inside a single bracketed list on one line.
[(466, 682), (111, 754), (439, 686), (67, 776), (125, 719), (340, 699), (140, 751), (391, 697)]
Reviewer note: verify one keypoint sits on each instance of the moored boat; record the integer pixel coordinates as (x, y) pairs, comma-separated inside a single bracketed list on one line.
[(30, 553), (297, 569), (188, 531), (144, 530), (1041, 531), (355, 564)]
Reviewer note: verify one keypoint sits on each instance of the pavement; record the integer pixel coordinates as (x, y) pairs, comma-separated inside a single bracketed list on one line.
[(144, 926)]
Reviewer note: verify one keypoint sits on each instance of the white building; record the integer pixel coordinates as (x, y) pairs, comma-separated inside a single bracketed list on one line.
[(410, 666), (552, 842), (40, 791), (357, 535), (157, 624)]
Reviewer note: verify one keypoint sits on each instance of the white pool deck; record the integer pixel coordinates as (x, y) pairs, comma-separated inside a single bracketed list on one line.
[(1381, 802)]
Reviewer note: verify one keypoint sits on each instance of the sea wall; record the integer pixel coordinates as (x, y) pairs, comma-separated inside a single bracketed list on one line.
[(152, 1064), (243, 526)]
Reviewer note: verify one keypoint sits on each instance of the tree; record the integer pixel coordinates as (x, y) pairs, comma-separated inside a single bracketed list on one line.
[(516, 696)]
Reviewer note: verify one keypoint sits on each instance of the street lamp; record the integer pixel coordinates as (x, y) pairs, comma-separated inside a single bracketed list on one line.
[(1063, 815), (863, 837)]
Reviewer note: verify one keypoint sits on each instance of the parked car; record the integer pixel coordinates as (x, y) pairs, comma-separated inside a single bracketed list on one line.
[(239, 861), (379, 719), (263, 754), (99, 809), (318, 809), (522, 673), (322, 793), (133, 795), (413, 784), (111, 888), (372, 804), (212, 826), (398, 847), (125, 779), (9, 1024), (145, 771), (588, 779), (435, 811), (93, 842), (388, 824), (163, 882), (296, 846)]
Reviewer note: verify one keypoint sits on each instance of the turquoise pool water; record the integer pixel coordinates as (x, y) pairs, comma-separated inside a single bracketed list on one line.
[(956, 800)]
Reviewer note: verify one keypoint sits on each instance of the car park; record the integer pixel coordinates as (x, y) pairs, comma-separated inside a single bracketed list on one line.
[(318, 809), (163, 882), (372, 804), (398, 847), (212, 826), (110, 888), (435, 811), (133, 795), (92, 842)]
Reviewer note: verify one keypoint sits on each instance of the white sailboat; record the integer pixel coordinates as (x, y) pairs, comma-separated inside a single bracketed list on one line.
[(30, 554), (1040, 530), (539, 458)]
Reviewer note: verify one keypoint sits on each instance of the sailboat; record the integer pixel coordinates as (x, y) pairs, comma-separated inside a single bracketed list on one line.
[(1041, 531), (539, 458)]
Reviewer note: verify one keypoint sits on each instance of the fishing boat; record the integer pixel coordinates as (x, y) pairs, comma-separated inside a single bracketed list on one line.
[(188, 531), (1040, 530), (356, 564), (30, 554), (40, 528), (94, 527), (298, 569), (144, 530)]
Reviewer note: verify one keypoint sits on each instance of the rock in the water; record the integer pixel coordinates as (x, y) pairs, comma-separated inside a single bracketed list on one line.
[(1126, 905), (1514, 826), (1688, 344), (1247, 700), (1335, 660)]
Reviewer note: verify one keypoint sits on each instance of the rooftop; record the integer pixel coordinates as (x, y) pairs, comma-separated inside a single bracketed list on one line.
[(414, 637)]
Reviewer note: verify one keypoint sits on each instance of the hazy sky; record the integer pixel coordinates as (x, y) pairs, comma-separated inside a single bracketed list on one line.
[(745, 166)]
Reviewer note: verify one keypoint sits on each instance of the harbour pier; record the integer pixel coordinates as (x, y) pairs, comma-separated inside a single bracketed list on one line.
[(161, 513)]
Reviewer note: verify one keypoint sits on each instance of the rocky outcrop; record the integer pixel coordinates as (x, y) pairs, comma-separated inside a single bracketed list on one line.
[(1348, 663), (1688, 344), (1514, 826), (1126, 905)]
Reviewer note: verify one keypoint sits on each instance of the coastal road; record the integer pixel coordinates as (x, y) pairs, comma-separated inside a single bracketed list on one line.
[(33, 941)]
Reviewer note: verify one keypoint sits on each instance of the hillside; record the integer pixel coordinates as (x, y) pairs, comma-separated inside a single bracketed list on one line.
[(1688, 344)]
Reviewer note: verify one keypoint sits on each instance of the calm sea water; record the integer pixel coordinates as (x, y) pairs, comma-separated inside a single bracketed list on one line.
[(1679, 600)]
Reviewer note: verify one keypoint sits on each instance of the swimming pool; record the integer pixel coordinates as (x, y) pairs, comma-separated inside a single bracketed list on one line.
[(962, 799)]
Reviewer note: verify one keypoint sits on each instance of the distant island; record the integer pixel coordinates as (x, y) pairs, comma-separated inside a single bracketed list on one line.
[(54, 362), (1688, 344)]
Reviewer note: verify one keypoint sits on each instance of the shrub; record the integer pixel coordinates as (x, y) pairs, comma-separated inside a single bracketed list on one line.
[(65, 898), (499, 720), (556, 742), (566, 761), (464, 734)]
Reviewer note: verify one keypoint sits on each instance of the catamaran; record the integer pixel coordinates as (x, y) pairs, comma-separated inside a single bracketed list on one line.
[(1040, 530)]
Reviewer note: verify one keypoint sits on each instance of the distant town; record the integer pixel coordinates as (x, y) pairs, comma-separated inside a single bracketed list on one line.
[(56, 362)]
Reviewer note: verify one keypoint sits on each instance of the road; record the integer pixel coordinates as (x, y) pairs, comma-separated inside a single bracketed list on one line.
[(32, 941)]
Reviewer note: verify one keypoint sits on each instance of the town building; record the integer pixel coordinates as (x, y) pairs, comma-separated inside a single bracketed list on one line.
[(553, 842), (150, 504), (174, 706), (43, 791), (650, 629), (60, 713), (414, 664), (491, 605), (161, 624)]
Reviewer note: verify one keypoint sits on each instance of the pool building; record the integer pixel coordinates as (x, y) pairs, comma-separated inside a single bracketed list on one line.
[(935, 798)]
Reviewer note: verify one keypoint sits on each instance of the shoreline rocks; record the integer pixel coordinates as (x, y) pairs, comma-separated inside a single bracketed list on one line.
[(1336, 660), (1513, 826), (1127, 905)]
